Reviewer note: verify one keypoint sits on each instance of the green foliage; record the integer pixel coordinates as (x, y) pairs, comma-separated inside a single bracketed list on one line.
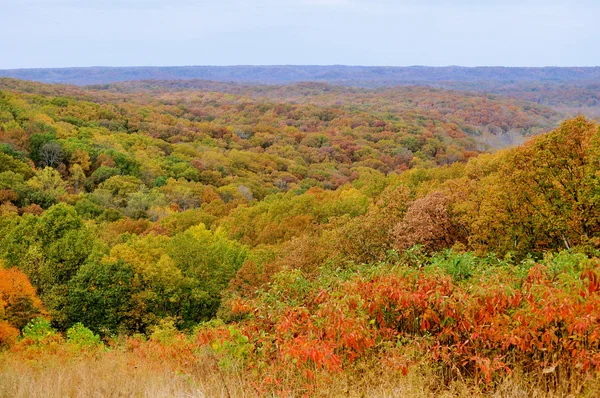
[(49, 182), (100, 296), (82, 337), (37, 142), (49, 249), (566, 264), (461, 266), (88, 207), (39, 331), (9, 150), (415, 256), (102, 174), (54, 224), (288, 287), (234, 350), (165, 332), (14, 164)]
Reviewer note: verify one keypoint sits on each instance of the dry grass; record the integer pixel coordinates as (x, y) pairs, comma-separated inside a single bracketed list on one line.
[(115, 374), (123, 374)]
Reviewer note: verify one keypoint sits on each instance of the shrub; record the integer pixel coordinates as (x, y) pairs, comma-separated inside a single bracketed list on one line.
[(82, 337), (165, 332), (38, 332)]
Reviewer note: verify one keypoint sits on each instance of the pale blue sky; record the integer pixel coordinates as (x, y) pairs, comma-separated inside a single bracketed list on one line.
[(57, 33)]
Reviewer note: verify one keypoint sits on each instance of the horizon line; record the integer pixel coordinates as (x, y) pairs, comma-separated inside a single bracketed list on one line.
[(301, 65)]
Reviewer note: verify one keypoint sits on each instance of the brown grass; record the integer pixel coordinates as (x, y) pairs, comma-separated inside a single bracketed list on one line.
[(115, 374), (123, 374)]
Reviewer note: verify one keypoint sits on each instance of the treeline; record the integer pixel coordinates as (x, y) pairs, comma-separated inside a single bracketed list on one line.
[(367, 76)]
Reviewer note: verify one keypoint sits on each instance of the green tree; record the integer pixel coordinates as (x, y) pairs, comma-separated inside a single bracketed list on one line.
[(99, 296)]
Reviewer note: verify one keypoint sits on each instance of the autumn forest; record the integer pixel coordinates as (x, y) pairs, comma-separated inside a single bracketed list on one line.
[(205, 238)]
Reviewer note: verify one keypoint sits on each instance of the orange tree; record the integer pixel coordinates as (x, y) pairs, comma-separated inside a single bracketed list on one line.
[(18, 303)]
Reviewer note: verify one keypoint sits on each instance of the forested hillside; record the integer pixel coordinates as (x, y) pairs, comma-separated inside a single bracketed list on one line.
[(565, 97), (570, 90), (297, 240)]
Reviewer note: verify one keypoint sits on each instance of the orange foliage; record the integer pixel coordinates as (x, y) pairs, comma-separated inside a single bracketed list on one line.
[(19, 299), (33, 208), (252, 276), (7, 195), (128, 225), (8, 333), (481, 330)]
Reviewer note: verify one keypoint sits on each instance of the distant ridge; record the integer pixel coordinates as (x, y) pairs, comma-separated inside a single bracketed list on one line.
[(365, 76)]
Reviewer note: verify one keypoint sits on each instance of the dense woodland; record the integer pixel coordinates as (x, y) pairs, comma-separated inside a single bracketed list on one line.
[(301, 235), (572, 90)]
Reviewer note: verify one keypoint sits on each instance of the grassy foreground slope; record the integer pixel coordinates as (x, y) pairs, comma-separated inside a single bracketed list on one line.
[(235, 246)]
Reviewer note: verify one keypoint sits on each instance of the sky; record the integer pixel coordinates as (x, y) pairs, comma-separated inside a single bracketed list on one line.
[(63, 33)]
